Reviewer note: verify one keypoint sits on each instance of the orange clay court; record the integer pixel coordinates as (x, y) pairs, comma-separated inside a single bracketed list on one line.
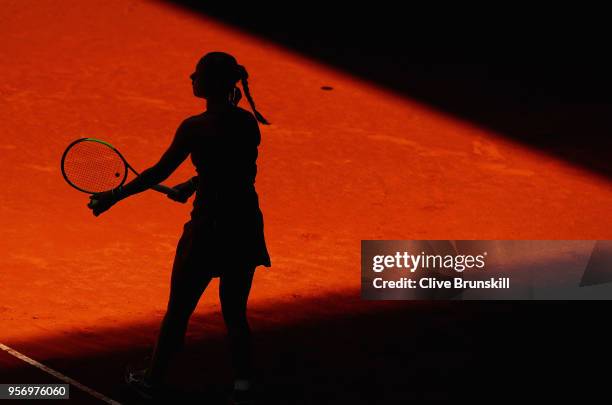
[(83, 295)]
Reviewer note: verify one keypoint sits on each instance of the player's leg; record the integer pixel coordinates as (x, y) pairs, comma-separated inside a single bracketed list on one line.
[(185, 291), (188, 283), (234, 289)]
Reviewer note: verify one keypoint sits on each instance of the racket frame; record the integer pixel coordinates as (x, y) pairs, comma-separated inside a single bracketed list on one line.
[(158, 187)]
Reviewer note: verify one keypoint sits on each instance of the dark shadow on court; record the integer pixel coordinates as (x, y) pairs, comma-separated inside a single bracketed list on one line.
[(542, 85), (338, 349)]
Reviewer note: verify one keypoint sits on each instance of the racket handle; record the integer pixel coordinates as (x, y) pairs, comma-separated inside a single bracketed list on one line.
[(163, 189)]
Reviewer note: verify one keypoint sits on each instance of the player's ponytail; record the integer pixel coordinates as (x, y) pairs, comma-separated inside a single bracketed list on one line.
[(235, 96), (244, 76)]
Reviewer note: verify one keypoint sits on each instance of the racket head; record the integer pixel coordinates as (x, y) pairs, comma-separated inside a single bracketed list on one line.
[(92, 166)]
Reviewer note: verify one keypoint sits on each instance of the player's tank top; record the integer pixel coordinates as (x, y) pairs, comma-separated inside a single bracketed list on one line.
[(225, 160)]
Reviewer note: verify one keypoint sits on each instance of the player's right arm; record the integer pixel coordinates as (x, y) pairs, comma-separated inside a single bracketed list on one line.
[(184, 190)]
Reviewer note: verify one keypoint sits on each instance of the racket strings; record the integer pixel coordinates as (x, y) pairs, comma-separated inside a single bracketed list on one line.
[(94, 167)]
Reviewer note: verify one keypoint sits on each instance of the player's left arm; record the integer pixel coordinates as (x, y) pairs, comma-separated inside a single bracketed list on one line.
[(176, 154)]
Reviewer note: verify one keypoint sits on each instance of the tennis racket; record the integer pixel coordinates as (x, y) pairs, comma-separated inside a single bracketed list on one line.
[(93, 166)]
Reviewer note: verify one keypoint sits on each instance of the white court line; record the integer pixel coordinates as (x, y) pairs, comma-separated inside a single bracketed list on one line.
[(58, 375)]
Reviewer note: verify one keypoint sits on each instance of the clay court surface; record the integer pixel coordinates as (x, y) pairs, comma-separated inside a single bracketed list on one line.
[(84, 295)]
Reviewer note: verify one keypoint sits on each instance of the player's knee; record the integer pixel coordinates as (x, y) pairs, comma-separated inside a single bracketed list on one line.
[(237, 325), (177, 314), (233, 314)]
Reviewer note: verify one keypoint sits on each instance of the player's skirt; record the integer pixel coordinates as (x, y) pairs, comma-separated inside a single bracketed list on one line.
[(225, 234)]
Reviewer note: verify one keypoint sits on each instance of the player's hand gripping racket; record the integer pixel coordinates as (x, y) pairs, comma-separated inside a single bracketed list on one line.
[(94, 166)]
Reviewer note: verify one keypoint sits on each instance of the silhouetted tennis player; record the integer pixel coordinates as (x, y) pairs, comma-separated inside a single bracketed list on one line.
[(224, 237)]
